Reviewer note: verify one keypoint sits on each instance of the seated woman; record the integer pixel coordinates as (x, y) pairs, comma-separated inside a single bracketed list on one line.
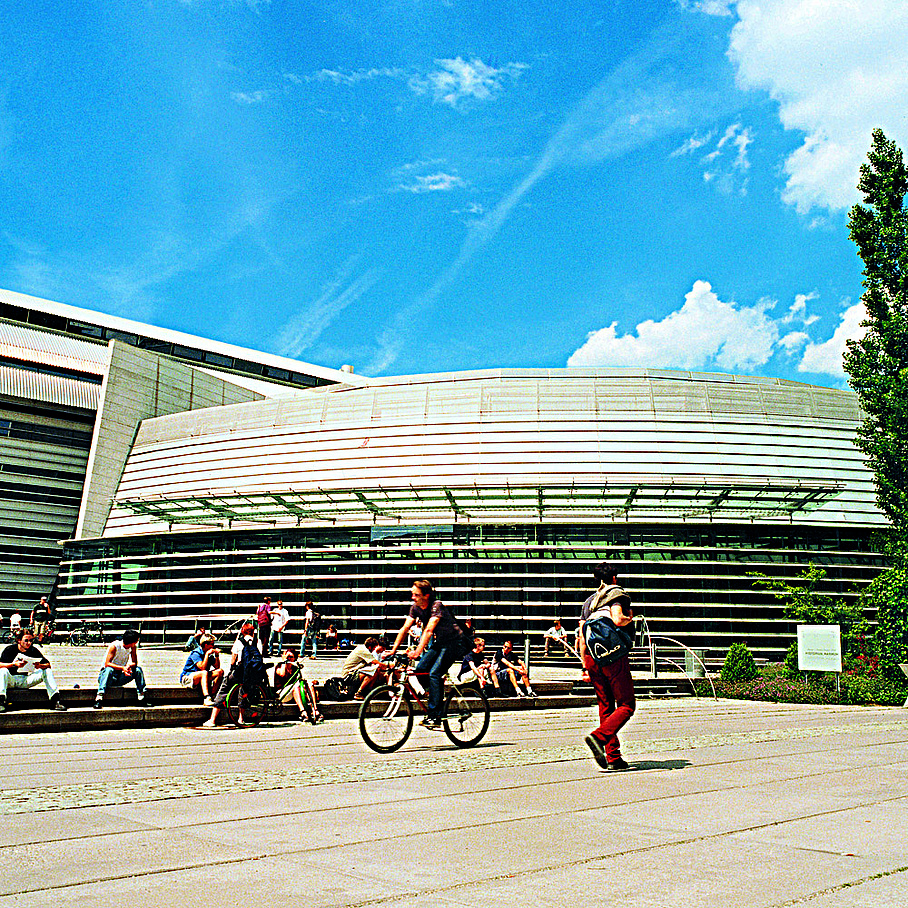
[(331, 637), (284, 673)]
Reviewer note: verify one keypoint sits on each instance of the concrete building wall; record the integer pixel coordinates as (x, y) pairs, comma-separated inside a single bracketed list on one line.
[(138, 385)]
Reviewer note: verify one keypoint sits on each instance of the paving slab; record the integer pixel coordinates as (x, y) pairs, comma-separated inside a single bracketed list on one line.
[(728, 803)]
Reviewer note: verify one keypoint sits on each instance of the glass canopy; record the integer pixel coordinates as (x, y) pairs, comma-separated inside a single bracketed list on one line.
[(693, 498)]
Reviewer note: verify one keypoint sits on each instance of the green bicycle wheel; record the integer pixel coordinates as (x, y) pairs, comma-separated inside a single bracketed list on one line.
[(246, 706)]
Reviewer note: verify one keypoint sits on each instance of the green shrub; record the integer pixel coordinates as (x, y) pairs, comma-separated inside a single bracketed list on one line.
[(888, 594), (739, 665), (790, 665)]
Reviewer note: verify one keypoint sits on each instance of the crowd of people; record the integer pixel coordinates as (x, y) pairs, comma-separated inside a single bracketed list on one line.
[(431, 635)]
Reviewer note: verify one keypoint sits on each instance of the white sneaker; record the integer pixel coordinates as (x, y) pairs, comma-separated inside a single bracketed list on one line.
[(208, 702)]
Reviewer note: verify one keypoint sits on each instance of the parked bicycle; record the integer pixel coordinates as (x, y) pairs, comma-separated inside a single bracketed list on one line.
[(254, 703), (86, 632), (386, 716)]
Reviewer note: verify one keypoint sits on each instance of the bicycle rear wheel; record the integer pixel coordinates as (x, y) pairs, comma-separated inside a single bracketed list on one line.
[(386, 719), (251, 702), (466, 716)]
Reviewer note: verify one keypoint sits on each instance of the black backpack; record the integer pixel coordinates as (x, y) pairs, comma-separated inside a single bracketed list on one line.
[(252, 666), (338, 688)]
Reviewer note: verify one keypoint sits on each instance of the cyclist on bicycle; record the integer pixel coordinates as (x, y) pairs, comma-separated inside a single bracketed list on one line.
[(442, 644)]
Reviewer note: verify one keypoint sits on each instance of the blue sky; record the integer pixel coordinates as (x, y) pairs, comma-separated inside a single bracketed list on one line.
[(425, 185)]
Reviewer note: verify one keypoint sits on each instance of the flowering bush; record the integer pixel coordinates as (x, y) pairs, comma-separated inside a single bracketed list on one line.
[(773, 686)]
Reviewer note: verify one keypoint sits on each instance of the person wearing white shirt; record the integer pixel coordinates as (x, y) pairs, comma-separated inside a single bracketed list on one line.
[(22, 664), (556, 635), (280, 617)]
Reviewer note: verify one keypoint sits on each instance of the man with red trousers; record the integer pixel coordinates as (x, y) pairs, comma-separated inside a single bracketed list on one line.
[(613, 683)]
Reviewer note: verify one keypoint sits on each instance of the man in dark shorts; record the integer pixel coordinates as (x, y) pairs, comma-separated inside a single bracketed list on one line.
[(613, 683), (442, 644)]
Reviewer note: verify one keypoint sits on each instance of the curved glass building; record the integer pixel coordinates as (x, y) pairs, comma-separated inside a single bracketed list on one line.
[(503, 488)]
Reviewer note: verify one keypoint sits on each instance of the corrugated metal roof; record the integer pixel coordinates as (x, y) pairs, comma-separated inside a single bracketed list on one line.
[(46, 348), (49, 389)]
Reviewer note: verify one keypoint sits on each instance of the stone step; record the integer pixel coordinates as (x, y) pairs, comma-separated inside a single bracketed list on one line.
[(179, 706), (125, 712)]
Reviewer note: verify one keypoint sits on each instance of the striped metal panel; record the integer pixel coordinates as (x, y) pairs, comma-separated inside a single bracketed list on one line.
[(48, 389), (45, 348), (492, 429)]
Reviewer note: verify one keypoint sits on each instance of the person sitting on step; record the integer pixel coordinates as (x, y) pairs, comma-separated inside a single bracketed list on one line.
[(203, 669), (511, 668), (23, 665), (121, 667)]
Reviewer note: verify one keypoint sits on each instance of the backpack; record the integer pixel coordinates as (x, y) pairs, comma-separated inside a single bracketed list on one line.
[(263, 614), (337, 688), (252, 665), (315, 623), (605, 642)]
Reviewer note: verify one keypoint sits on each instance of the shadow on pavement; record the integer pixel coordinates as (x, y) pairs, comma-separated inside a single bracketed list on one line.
[(659, 764)]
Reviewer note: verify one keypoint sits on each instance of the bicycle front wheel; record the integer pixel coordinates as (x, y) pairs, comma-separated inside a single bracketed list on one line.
[(246, 706), (386, 719), (78, 638), (466, 716)]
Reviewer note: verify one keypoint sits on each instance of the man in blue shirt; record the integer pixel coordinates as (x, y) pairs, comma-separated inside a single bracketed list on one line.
[(203, 669)]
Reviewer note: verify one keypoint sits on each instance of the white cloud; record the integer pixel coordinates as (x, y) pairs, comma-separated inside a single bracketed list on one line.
[(459, 80), (301, 331), (433, 182), (704, 332), (249, 97), (826, 358), (710, 7), (707, 333), (350, 77), (837, 68), (794, 340), (798, 309), (726, 165), (694, 143)]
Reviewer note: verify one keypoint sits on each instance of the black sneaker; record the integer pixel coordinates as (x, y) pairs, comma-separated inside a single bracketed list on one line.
[(58, 705), (145, 702), (431, 724), (618, 765), (97, 704), (596, 747)]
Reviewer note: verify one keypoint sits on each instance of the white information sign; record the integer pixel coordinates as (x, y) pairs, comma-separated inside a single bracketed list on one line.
[(819, 648)]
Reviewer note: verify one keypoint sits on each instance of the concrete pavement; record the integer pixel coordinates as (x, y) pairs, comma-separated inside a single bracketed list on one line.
[(729, 803)]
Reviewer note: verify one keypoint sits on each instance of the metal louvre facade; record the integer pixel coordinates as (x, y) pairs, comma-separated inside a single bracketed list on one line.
[(503, 488)]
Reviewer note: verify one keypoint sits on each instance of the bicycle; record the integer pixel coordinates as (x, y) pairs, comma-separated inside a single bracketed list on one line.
[(386, 716), (86, 632), (256, 702)]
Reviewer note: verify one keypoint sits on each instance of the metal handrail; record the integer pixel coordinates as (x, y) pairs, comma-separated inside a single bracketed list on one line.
[(652, 656), (650, 645)]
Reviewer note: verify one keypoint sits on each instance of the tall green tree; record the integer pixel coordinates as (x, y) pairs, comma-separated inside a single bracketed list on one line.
[(877, 364)]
